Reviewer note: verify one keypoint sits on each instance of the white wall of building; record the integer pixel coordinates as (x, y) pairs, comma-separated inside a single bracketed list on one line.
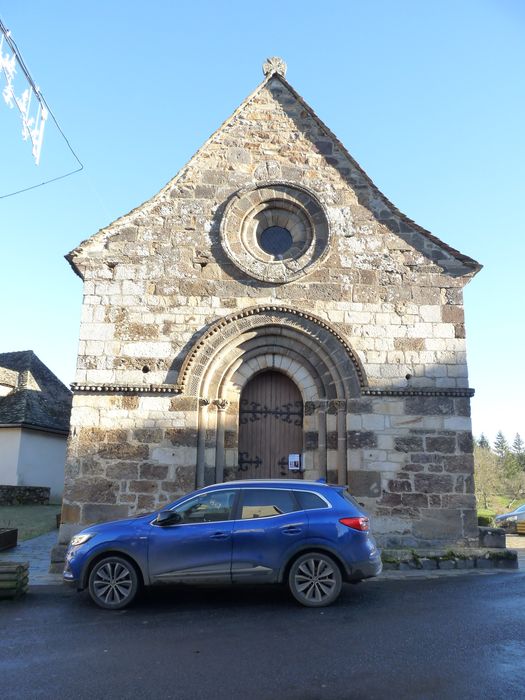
[(41, 461), (9, 448)]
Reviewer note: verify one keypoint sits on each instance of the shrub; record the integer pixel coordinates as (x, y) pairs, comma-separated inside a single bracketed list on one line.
[(485, 520)]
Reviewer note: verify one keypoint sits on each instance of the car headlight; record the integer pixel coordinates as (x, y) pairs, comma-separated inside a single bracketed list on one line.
[(81, 539), (512, 518)]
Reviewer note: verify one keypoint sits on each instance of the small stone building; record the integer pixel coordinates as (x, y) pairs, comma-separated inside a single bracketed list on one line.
[(269, 313), (34, 423)]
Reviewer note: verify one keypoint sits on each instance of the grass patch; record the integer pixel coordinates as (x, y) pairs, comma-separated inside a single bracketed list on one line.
[(30, 520)]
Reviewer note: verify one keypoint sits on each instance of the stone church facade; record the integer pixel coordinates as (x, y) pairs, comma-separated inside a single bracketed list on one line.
[(269, 313)]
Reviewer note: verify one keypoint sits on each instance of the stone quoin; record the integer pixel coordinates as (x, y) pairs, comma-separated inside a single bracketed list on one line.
[(270, 313)]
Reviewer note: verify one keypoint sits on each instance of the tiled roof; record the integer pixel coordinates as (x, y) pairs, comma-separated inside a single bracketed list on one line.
[(36, 398)]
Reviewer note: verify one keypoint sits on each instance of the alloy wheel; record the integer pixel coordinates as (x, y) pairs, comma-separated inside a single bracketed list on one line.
[(315, 580), (113, 583)]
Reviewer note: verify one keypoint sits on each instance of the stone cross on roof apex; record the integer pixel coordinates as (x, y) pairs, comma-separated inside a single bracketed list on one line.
[(275, 64)]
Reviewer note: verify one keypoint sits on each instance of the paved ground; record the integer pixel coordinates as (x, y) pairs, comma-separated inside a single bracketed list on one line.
[(38, 553), (422, 638)]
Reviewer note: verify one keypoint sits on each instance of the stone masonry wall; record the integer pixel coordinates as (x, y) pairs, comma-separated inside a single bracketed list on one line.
[(157, 278)]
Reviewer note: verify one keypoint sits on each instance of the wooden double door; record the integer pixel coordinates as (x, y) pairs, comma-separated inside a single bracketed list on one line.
[(270, 428)]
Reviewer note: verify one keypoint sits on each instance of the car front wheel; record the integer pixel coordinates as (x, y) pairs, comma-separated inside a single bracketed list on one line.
[(113, 583), (315, 580)]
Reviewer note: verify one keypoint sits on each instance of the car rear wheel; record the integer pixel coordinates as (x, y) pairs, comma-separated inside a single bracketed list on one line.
[(113, 583), (315, 580)]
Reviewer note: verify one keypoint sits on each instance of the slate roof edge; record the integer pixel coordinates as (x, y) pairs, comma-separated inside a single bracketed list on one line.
[(465, 259), (39, 428)]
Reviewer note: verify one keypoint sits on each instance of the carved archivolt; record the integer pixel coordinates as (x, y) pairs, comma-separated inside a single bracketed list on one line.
[(298, 335)]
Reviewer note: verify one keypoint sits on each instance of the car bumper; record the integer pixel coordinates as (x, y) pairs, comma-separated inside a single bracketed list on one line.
[(366, 569)]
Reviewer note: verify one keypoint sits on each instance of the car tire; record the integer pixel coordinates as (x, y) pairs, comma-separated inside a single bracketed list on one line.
[(315, 580), (113, 583)]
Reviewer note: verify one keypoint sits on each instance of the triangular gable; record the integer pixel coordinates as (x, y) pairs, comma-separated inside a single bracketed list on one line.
[(453, 261)]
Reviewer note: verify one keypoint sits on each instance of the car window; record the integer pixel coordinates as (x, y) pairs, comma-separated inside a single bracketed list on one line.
[(308, 500), (344, 493), (265, 503), (207, 507), (520, 509)]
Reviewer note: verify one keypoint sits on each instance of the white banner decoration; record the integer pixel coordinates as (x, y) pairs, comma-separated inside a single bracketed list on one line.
[(32, 111)]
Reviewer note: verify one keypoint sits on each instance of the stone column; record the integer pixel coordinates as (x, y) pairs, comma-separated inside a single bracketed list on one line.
[(321, 447), (201, 441), (341, 441), (220, 455)]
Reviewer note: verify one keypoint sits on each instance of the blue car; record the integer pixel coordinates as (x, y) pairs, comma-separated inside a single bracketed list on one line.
[(308, 535), (513, 521)]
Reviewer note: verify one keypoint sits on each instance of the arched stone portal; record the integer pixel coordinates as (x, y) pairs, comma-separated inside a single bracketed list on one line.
[(298, 345)]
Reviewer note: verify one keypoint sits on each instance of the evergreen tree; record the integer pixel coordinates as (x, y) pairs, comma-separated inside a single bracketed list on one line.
[(518, 451), (483, 442), (501, 446)]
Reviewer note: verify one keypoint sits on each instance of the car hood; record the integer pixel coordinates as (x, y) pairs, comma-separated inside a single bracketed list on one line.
[(102, 527)]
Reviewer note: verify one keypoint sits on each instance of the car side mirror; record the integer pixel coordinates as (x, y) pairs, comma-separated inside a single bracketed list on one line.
[(167, 517)]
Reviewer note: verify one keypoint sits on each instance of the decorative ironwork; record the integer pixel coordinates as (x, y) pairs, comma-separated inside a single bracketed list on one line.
[(245, 462), (251, 411), (283, 463)]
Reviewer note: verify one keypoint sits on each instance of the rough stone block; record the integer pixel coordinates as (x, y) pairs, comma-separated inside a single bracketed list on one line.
[(428, 564), (97, 513), (148, 435), (460, 463), (364, 483), (359, 438), (438, 524), (484, 563), (97, 490), (311, 440), (462, 406), (146, 503), (492, 537), (143, 486), (181, 437), (399, 485), (123, 451), (415, 500), (465, 442), (429, 406), (441, 444), (390, 499), (122, 470), (447, 563), (432, 483), (70, 513), (408, 443), (332, 439), (153, 471), (458, 501)]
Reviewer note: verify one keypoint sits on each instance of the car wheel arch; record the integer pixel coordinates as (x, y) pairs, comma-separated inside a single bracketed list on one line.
[(285, 570), (108, 553)]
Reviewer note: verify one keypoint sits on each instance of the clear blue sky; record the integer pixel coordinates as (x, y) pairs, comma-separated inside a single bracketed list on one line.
[(427, 95)]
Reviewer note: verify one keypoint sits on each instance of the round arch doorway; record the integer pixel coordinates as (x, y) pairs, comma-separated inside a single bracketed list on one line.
[(270, 428)]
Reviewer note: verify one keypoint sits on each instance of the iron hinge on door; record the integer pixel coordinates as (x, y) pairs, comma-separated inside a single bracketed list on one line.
[(245, 462)]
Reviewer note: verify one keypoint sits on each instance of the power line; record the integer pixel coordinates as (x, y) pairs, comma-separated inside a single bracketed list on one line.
[(16, 52)]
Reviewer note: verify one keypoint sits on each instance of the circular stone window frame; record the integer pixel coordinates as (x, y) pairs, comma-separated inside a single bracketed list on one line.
[(250, 212)]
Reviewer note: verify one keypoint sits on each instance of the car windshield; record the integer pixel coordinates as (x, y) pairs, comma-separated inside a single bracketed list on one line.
[(520, 509)]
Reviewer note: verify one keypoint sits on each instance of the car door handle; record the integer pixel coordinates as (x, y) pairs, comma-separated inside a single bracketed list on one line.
[(291, 530), (220, 535)]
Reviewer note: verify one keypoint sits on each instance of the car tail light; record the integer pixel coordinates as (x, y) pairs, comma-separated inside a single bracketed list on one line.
[(360, 523)]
